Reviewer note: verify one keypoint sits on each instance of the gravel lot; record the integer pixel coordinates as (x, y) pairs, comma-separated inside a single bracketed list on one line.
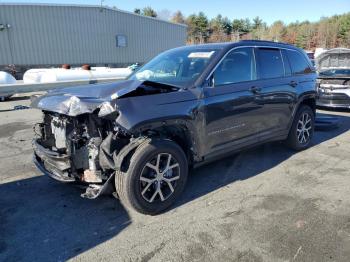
[(265, 204)]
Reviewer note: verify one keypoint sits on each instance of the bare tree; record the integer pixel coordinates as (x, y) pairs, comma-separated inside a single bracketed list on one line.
[(178, 17)]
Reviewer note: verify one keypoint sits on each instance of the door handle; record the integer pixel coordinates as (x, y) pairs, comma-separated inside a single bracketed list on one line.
[(293, 83), (255, 89)]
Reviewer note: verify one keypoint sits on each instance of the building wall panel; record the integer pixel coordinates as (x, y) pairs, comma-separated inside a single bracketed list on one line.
[(57, 34)]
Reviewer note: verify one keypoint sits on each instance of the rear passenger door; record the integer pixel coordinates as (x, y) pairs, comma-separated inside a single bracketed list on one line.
[(302, 70), (277, 88)]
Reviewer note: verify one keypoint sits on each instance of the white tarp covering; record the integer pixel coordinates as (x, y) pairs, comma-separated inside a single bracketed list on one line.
[(51, 75), (6, 79)]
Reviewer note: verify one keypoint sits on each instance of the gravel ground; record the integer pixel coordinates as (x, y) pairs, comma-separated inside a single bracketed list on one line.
[(265, 204)]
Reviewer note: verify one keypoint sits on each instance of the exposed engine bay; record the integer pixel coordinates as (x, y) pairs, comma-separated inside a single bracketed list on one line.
[(85, 149), (78, 148)]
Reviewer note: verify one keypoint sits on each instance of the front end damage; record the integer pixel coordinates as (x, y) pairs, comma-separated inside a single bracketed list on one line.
[(79, 139), (78, 149), (334, 78), (334, 92)]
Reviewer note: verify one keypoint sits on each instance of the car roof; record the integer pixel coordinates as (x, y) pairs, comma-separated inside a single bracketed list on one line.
[(229, 45)]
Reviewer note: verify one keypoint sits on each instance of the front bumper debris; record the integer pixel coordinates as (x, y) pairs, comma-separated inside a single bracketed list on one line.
[(52, 163), (57, 166)]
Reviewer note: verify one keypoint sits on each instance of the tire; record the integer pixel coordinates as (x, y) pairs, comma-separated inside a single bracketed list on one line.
[(295, 138), (137, 186)]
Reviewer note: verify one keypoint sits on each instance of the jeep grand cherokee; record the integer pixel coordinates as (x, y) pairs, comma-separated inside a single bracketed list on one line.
[(186, 107)]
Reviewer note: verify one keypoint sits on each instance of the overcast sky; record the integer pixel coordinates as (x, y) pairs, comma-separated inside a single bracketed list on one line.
[(268, 10)]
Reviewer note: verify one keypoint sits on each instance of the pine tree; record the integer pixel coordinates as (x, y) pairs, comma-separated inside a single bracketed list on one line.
[(148, 11)]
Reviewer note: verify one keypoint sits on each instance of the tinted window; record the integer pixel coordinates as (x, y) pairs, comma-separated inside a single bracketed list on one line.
[(270, 63), (237, 66), (298, 63)]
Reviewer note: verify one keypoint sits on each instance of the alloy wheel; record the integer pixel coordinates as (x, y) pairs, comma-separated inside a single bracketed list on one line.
[(158, 177), (304, 128)]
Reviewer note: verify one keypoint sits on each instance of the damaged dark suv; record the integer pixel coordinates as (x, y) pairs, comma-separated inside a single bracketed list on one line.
[(334, 78), (186, 107)]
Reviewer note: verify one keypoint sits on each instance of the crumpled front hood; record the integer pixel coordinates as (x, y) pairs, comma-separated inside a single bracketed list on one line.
[(337, 58), (79, 100)]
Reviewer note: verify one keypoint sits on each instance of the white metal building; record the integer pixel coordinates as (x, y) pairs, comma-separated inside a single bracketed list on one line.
[(46, 34)]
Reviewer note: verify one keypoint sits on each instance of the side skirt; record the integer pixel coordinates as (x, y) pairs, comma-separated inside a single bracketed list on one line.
[(241, 147)]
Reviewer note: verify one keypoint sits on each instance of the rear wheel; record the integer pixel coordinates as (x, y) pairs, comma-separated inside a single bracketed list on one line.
[(156, 176), (302, 129)]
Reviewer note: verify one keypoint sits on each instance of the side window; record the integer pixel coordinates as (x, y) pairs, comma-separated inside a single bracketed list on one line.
[(270, 63), (237, 66), (298, 63), (287, 69)]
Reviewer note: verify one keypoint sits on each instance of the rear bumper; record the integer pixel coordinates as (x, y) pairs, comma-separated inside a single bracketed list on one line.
[(53, 164), (334, 100)]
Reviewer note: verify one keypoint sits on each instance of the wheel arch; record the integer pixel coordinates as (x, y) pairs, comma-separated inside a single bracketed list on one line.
[(180, 134), (177, 130), (308, 99)]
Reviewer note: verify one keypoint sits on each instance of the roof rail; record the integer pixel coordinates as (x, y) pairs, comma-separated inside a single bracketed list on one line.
[(263, 41)]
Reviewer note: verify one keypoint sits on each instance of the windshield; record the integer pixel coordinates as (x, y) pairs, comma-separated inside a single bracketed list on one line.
[(178, 67), (333, 72)]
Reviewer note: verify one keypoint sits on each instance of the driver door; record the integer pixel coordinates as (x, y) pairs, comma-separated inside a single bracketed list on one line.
[(231, 111)]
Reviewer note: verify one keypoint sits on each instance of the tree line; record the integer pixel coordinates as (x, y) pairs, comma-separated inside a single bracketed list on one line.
[(328, 32)]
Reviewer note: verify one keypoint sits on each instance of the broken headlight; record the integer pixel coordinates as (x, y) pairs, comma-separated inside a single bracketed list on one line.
[(106, 109)]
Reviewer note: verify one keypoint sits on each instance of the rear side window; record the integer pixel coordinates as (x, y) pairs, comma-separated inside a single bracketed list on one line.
[(237, 66), (298, 63), (270, 63)]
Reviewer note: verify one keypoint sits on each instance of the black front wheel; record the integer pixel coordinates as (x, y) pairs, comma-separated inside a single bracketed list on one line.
[(302, 130), (156, 177)]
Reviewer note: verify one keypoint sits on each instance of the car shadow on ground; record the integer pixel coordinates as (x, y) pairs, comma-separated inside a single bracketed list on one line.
[(251, 162), (43, 220)]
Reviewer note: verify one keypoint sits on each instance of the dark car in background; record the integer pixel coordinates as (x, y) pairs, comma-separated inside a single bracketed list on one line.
[(333, 68), (186, 107)]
